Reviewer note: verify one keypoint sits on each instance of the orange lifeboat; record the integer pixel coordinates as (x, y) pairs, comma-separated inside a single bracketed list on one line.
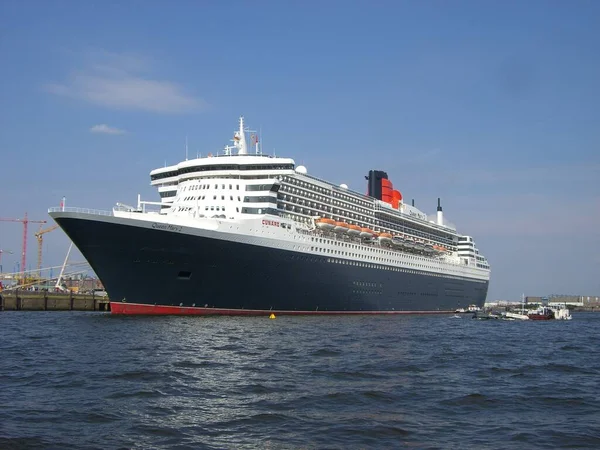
[(353, 230), (341, 227), (325, 224), (385, 238)]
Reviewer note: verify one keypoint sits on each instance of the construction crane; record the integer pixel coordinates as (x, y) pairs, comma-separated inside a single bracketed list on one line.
[(39, 238), (25, 221)]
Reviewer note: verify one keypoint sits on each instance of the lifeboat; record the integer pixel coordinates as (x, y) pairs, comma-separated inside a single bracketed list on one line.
[(353, 230), (420, 246), (385, 238), (366, 233), (325, 224), (341, 227), (397, 242)]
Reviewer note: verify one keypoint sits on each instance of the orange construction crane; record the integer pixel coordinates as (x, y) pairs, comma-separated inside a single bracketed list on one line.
[(39, 238), (25, 221)]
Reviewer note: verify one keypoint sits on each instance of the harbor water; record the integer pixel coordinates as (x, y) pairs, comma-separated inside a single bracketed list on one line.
[(78, 380)]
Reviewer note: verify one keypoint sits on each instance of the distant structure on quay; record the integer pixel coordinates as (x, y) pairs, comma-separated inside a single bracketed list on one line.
[(583, 301)]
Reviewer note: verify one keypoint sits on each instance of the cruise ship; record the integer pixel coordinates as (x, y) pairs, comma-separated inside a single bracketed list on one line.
[(244, 233)]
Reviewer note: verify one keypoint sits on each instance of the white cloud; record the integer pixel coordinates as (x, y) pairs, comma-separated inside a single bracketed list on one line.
[(117, 81), (105, 129)]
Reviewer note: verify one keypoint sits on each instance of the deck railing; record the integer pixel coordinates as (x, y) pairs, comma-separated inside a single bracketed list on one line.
[(97, 212)]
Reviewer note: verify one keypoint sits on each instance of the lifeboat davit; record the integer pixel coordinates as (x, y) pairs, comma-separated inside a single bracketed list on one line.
[(341, 227), (353, 230), (385, 238), (325, 224), (366, 233)]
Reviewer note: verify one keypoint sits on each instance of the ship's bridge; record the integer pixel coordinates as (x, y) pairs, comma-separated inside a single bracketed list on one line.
[(234, 163), (222, 165)]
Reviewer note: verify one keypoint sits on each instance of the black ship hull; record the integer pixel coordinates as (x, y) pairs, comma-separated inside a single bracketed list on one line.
[(161, 271)]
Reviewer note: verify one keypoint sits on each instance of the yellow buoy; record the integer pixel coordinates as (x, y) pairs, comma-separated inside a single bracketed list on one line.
[(272, 316)]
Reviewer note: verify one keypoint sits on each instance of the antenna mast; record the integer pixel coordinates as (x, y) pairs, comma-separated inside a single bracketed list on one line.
[(239, 138)]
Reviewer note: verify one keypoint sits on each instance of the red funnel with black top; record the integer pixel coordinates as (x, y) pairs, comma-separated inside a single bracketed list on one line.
[(381, 188)]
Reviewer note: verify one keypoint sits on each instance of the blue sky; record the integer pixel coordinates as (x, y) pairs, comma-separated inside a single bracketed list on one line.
[(492, 106)]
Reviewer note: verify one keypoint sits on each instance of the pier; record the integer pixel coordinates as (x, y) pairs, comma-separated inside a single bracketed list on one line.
[(24, 300)]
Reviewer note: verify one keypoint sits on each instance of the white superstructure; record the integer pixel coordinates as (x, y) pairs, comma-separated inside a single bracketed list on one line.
[(270, 201)]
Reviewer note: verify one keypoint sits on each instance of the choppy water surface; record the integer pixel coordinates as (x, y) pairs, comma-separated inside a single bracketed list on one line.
[(90, 380)]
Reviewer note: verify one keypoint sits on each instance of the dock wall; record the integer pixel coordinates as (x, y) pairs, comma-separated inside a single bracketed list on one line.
[(21, 300)]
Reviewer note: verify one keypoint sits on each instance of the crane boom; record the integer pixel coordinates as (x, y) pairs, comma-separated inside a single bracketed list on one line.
[(39, 238), (24, 221)]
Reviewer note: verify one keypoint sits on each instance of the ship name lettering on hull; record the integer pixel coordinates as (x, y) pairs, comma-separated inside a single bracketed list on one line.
[(166, 227)]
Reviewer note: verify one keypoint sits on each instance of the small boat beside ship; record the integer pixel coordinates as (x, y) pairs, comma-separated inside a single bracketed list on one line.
[(542, 313), (554, 312), (469, 309), (508, 315), (562, 312)]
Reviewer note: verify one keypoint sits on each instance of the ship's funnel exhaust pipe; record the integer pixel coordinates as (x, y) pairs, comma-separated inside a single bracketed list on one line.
[(374, 188), (440, 214)]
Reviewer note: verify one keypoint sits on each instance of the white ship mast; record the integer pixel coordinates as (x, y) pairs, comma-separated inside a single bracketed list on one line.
[(239, 139)]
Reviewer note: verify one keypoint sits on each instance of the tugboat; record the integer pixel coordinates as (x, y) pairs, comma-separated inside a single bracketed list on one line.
[(542, 313)]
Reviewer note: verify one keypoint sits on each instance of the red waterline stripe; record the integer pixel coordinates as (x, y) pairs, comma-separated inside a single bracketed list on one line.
[(163, 310)]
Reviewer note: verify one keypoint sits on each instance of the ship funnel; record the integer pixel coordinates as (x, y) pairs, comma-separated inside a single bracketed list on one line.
[(375, 186), (440, 214)]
